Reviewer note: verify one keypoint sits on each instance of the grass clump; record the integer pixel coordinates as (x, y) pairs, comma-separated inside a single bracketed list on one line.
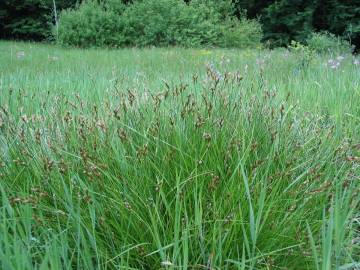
[(213, 169), (328, 43)]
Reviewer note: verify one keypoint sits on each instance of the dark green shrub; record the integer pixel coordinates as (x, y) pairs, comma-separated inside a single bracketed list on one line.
[(157, 23), (173, 22), (242, 33), (91, 24), (209, 19)]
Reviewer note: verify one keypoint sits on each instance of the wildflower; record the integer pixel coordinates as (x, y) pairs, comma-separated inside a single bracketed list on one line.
[(53, 58), (340, 58), (335, 66), (224, 60), (356, 62), (260, 62), (20, 54)]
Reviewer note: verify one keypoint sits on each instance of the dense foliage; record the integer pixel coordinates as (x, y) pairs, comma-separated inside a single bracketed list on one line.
[(282, 20), (286, 20), (91, 24), (29, 19), (158, 23)]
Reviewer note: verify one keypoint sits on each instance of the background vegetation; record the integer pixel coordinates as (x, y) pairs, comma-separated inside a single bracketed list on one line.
[(281, 21), (157, 23)]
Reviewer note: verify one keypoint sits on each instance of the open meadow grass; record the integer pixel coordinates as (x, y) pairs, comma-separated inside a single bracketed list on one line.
[(178, 159)]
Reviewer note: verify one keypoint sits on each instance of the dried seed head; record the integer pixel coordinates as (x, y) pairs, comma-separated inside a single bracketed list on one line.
[(207, 136), (48, 164), (214, 182), (122, 134), (38, 136), (353, 159), (195, 78), (116, 113), (5, 110), (67, 117), (200, 121), (24, 118), (101, 124), (127, 205)]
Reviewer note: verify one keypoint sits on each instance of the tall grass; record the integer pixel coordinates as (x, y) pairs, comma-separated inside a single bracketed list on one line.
[(178, 159)]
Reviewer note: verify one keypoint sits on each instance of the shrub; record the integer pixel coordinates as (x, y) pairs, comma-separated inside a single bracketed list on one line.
[(214, 10), (157, 22), (91, 24), (154, 22), (226, 29), (326, 42), (173, 22), (242, 33)]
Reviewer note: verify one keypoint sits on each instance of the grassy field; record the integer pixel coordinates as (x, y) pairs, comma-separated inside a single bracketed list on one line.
[(178, 159)]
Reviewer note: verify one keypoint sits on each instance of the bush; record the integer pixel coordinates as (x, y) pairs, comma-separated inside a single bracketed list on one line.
[(242, 33), (158, 23), (155, 22), (228, 31), (326, 42), (91, 24)]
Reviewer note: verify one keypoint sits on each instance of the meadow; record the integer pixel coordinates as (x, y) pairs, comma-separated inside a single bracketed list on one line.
[(170, 158)]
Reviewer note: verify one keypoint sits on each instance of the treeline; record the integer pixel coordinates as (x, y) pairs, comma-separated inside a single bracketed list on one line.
[(30, 19), (286, 20), (227, 23)]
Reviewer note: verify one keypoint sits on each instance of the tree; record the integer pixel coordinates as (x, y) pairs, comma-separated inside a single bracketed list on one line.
[(29, 19), (339, 17), (287, 20)]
